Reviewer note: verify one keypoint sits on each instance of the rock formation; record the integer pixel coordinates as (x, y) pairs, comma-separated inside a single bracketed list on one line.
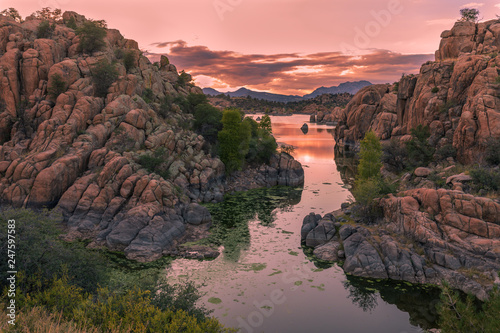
[(427, 236), (83, 153), (457, 96)]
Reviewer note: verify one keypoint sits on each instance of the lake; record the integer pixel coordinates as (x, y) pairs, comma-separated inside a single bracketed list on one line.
[(264, 281)]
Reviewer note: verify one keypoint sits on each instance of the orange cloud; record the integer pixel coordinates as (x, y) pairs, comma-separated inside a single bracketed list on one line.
[(287, 73)]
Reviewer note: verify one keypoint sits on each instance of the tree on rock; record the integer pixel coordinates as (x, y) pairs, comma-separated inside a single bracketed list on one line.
[(13, 14), (91, 35), (233, 140), (371, 157), (469, 14)]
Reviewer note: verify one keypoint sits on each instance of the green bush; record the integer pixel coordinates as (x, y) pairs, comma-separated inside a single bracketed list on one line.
[(45, 29), (265, 124), (447, 106), (156, 162), (45, 256), (129, 60), (420, 152), (57, 86), (91, 35), (446, 151), (458, 315), (435, 90), (208, 122), (493, 151), (370, 157), (71, 23), (103, 76), (13, 14), (148, 95), (487, 179), (395, 156), (233, 140), (184, 78)]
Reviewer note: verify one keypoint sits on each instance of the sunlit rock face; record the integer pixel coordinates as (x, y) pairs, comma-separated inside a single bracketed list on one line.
[(457, 96)]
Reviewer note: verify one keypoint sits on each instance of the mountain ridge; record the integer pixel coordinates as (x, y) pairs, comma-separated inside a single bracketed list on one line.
[(349, 87)]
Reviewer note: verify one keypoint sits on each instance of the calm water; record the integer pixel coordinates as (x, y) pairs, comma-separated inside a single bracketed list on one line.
[(265, 282)]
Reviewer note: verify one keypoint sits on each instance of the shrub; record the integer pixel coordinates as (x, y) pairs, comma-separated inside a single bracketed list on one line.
[(184, 78), (45, 256), (233, 140), (265, 124), (57, 85), (165, 106), (420, 152), (71, 23), (435, 90), (447, 106), (103, 75), (497, 80), (156, 162), (396, 87), (207, 122), (487, 179), (493, 151), (47, 14), (45, 29), (446, 151), (148, 95), (370, 157), (129, 60), (91, 35), (13, 14), (395, 156), (457, 315), (469, 14)]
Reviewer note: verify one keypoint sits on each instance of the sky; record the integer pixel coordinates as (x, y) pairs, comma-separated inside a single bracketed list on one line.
[(280, 46)]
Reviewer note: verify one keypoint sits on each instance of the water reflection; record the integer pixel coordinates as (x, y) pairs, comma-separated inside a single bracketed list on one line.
[(231, 216), (419, 301)]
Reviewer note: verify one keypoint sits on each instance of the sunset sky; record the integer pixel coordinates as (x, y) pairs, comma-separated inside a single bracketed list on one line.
[(280, 46)]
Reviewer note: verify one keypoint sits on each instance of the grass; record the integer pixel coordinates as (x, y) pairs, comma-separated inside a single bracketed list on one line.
[(476, 275)]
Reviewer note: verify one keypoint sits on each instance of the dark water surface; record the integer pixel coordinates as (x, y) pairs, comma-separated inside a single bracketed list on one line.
[(265, 282)]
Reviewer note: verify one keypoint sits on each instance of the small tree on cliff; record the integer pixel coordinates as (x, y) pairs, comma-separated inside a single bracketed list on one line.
[(91, 35), (469, 14), (233, 140), (369, 184), (13, 14)]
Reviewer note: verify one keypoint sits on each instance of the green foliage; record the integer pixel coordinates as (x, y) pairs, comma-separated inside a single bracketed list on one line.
[(446, 151), (165, 106), (45, 256), (458, 315), (497, 80), (156, 162), (262, 144), (435, 90), (493, 151), (265, 124), (469, 14), (184, 78), (45, 29), (57, 85), (91, 35), (370, 157), (233, 140), (487, 179), (48, 14), (148, 95), (132, 310), (207, 121), (396, 87), (420, 152), (71, 23), (447, 106), (395, 156), (129, 60), (103, 75), (287, 149), (13, 14)]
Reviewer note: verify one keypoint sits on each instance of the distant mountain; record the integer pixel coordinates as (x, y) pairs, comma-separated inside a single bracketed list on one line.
[(243, 92), (349, 87)]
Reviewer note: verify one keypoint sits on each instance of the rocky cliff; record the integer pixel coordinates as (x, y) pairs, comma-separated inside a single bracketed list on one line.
[(457, 96), (426, 234), (85, 154)]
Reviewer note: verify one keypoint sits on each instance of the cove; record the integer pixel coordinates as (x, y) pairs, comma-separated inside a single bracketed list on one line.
[(264, 281)]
